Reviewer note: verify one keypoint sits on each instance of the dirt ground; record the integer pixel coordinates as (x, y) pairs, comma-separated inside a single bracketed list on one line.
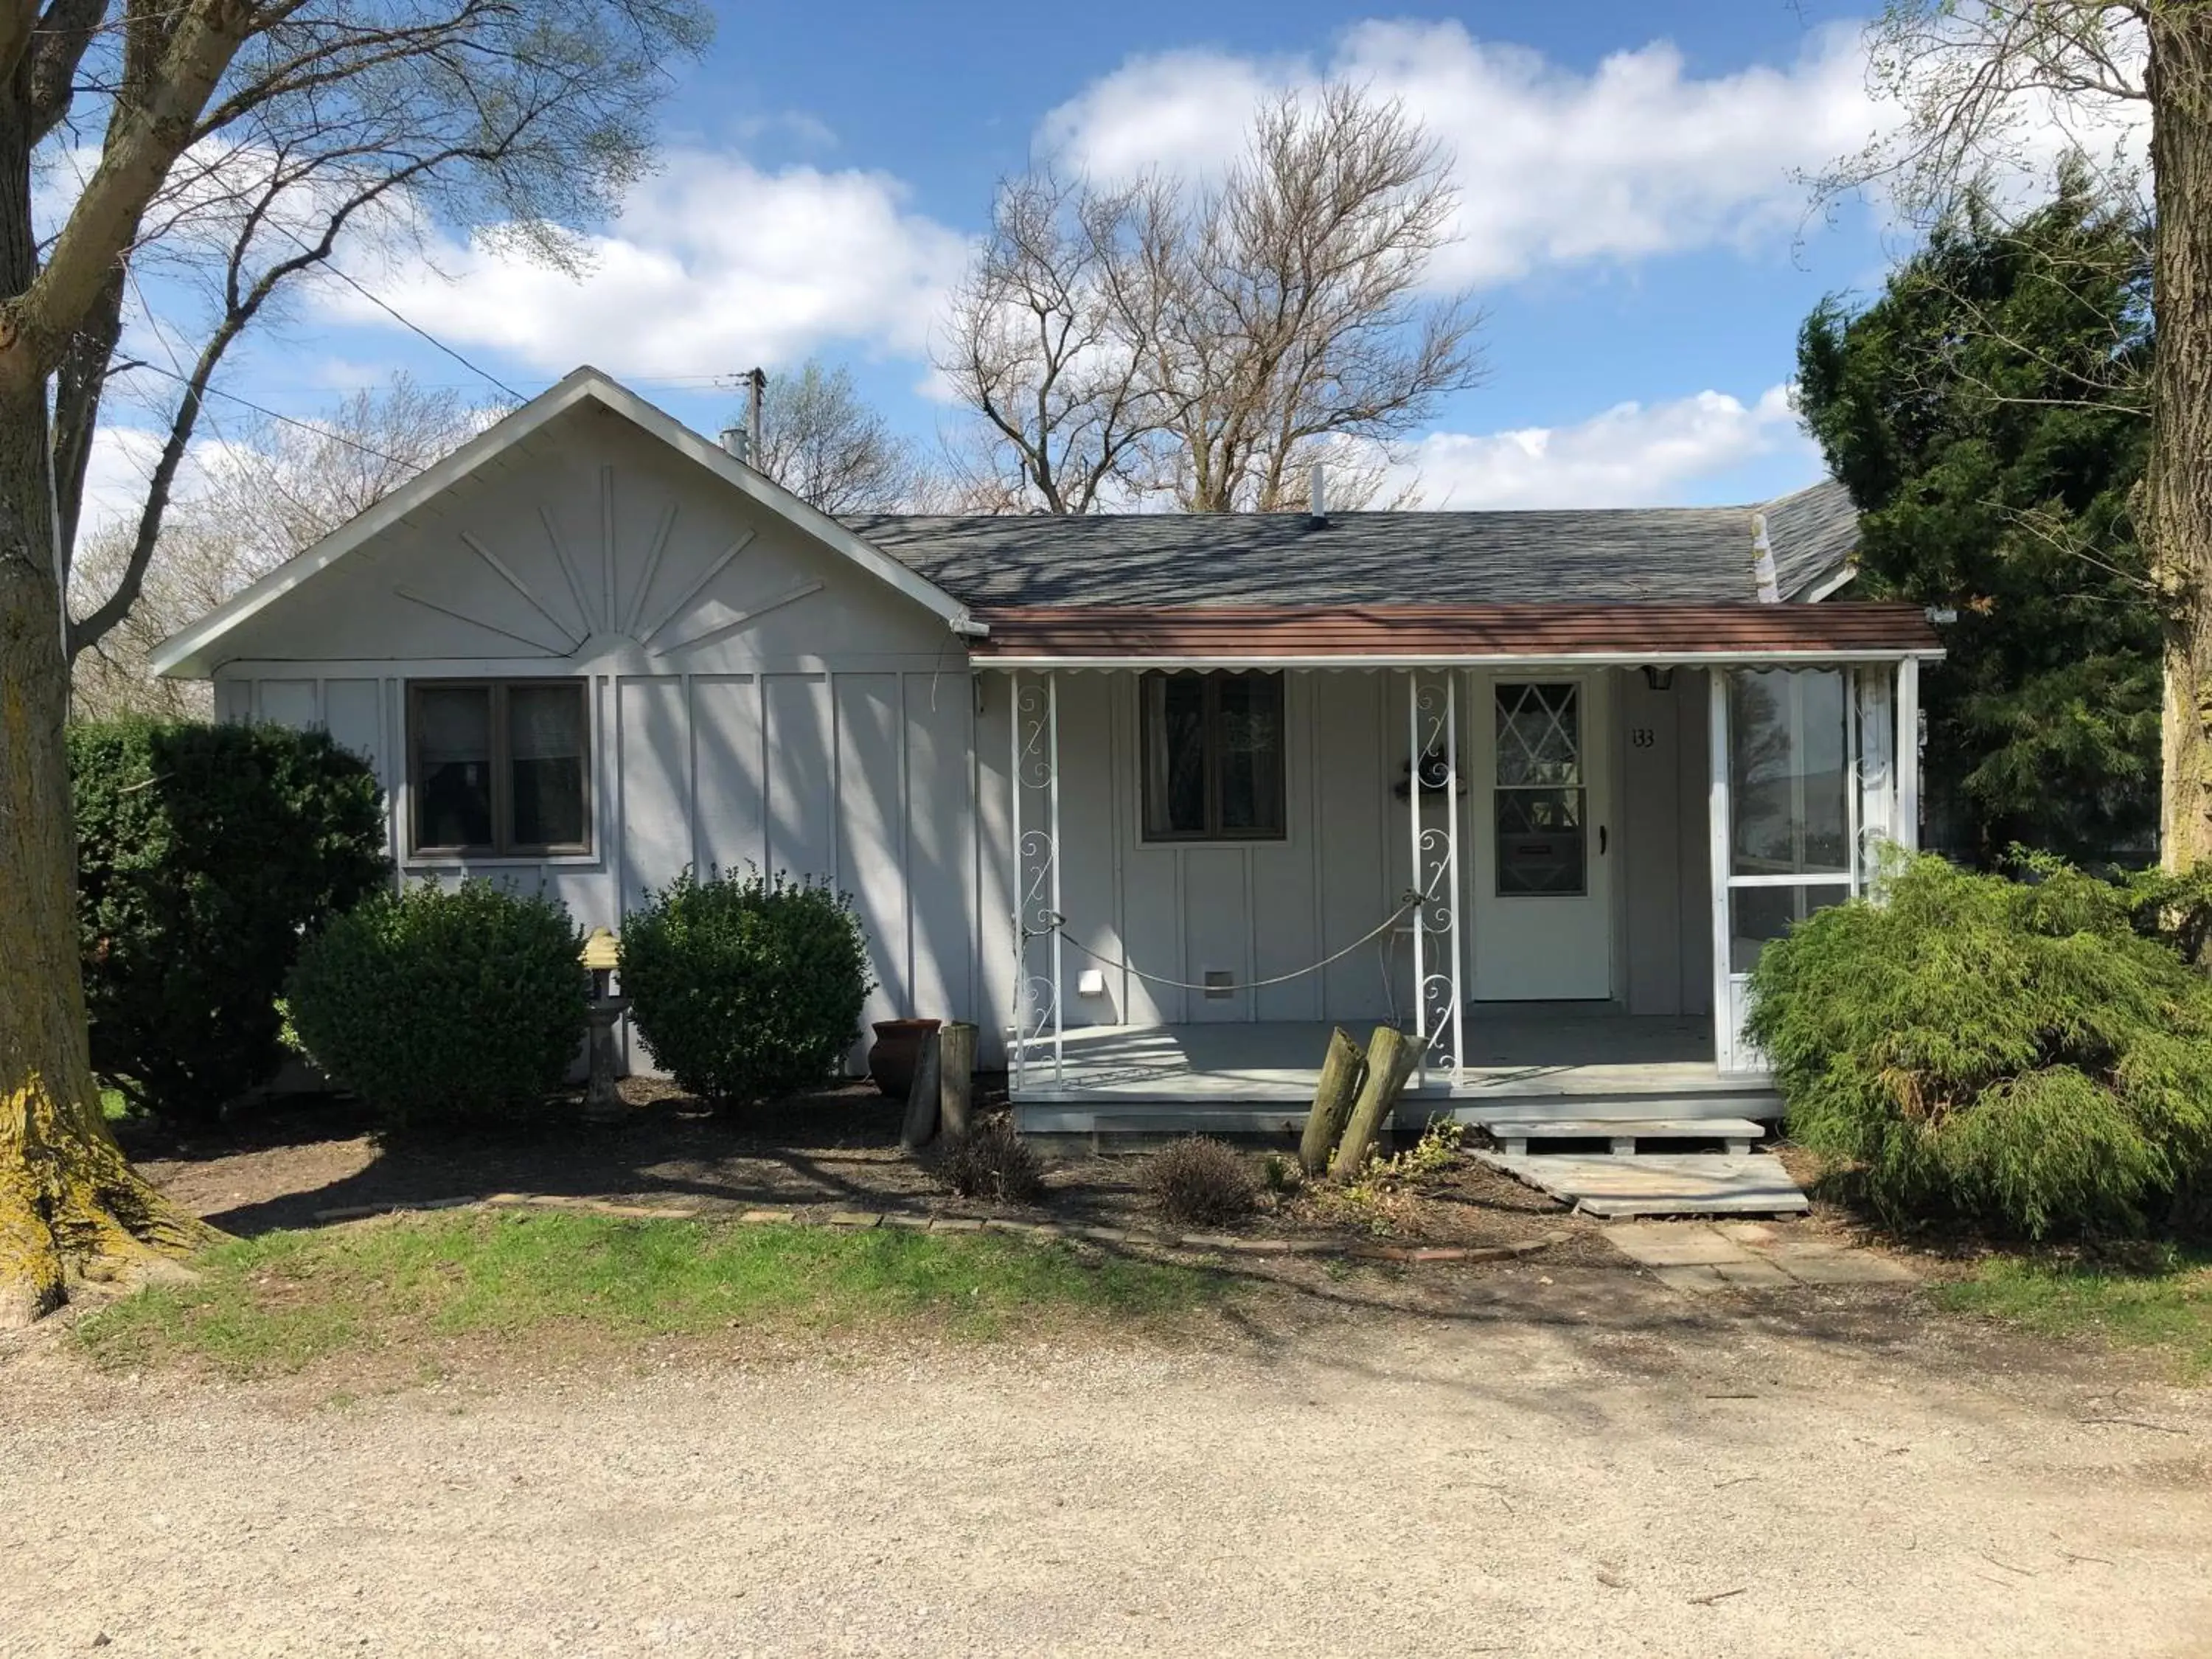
[(1520, 1461), (835, 1149)]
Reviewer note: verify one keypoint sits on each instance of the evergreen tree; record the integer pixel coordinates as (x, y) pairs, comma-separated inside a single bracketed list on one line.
[(1989, 414)]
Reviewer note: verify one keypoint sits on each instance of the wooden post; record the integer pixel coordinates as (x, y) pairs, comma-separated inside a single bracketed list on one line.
[(1391, 1056), (921, 1098), (1340, 1075), (956, 1054)]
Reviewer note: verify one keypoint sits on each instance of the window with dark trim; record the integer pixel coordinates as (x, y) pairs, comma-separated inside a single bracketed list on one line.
[(1213, 756), (499, 769)]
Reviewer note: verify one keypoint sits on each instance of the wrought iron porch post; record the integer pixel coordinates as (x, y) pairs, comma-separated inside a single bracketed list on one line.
[(1035, 717), (1415, 840)]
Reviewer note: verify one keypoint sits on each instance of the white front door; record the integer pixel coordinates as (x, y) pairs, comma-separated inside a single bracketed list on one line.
[(1540, 819)]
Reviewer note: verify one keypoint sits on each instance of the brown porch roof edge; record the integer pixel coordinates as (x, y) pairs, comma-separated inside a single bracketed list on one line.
[(1656, 633)]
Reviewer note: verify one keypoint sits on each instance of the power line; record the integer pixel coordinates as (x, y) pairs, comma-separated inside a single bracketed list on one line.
[(408, 324), (330, 433)]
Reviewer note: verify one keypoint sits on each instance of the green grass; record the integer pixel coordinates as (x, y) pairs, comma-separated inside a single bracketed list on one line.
[(273, 1304), (2165, 1304)]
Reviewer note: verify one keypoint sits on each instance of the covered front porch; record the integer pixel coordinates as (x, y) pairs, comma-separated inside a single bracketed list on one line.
[(1555, 869), (1260, 1077)]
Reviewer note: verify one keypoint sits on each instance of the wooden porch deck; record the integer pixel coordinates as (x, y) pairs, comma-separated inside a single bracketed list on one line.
[(1257, 1078)]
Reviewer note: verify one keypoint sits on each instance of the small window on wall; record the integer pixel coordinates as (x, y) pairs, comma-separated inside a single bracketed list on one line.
[(1213, 757), (499, 769)]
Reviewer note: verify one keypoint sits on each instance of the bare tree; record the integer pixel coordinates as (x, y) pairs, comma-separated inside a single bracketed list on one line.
[(1978, 85), (248, 137), (1204, 341), (273, 488), (1035, 347), (823, 443), (1282, 313)]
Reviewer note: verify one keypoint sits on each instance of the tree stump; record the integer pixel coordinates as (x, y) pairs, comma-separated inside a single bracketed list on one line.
[(921, 1099), (1391, 1057), (1340, 1075), (955, 1059)]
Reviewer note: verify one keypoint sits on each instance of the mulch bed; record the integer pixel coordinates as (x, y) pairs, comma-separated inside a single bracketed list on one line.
[(291, 1163)]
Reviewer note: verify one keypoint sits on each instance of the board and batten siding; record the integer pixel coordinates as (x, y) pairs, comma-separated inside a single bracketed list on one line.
[(755, 699), (859, 778)]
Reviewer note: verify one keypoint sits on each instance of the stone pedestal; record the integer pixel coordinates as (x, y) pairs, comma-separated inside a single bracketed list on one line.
[(602, 1103)]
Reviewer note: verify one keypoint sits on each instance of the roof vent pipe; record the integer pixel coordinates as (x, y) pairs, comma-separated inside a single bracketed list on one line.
[(737, 442), (1762, 572), (1317, 510)]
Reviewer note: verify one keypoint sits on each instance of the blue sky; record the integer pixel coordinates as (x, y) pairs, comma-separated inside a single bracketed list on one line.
[(1633, 229)]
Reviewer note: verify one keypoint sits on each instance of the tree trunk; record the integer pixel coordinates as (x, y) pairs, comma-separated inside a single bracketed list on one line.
[(956, 1058), (1391, 1057), (71, 1205), (1340, 1073), (2177, 486), (922, 1097)]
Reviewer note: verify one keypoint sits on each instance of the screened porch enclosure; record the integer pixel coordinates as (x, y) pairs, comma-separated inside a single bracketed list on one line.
[(1556, 876)]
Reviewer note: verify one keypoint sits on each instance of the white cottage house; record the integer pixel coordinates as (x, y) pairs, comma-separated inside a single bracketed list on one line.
[(1153, 799)]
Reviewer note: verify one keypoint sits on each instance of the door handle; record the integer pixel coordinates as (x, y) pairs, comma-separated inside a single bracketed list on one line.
[(1600, 841)]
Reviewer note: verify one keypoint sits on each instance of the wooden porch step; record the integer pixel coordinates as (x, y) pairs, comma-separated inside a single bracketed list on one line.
[(1514, 1135), (1660, 1184)]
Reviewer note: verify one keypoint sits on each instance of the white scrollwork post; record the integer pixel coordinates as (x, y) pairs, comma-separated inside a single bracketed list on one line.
[(1432, 727), (1034, 771)]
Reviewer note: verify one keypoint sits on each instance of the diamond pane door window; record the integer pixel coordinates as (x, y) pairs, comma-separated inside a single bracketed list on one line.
[(1543, 925)]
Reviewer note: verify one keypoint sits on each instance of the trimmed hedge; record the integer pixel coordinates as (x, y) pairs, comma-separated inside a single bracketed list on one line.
[(2013, 1052), (444, 1005), (743, 988), (203, 852)]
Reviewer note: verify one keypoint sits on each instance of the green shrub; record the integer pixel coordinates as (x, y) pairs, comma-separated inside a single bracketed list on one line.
[(2176, 909), (444, 1005), (995, 1163), (204, 851), (745, 989), (1201, 1181), (2009, 1052)]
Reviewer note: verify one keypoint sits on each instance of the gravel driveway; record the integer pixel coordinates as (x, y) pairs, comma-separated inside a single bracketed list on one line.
[(1535, 1463)]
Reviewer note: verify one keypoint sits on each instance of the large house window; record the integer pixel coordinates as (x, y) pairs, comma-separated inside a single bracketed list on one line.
[(1213, 757), (499, 768)]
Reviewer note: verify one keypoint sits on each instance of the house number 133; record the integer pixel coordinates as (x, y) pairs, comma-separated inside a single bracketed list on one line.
[(1642, 737)]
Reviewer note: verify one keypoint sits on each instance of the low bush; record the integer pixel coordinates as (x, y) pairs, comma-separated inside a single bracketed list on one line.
[(444, 1005), (1201, 1181), (994, 1163), (2013, 1052), (204, 853), (745, 989)]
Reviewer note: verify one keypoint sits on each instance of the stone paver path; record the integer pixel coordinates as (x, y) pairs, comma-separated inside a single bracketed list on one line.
[(1701, 1257)]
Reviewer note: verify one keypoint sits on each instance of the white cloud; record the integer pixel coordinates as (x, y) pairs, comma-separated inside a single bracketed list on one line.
[(713, 266), (1638, 157), (1631, 455), (122, 463)]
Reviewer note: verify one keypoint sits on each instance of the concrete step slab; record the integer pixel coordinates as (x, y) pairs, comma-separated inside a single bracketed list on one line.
[(1736, 1134), (1692, 1183)]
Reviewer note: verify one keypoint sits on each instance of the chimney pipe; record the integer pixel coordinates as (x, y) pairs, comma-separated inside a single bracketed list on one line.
[(1317, 509)]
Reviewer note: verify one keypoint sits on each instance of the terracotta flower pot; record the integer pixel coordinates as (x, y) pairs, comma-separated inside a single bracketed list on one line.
[(896, 1052)]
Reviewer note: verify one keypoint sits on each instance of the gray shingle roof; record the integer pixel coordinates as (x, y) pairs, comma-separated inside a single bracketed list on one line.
[(1610, 556)]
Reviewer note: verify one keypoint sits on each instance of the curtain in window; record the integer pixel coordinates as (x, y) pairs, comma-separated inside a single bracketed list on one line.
[(453, 758), (545, 751)]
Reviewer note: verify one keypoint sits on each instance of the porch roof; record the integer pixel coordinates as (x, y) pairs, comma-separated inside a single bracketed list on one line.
[(1104, 636)]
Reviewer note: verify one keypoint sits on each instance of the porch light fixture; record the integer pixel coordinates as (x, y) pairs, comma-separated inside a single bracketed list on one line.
[(1658, 679)]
